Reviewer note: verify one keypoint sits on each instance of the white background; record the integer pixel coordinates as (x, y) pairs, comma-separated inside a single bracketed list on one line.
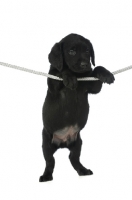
[(28, 30)]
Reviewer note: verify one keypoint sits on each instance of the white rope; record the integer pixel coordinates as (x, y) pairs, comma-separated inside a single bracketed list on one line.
[(57, 78)]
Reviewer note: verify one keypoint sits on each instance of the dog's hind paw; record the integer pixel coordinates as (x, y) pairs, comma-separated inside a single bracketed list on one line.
[(84, 172), (45, 178)]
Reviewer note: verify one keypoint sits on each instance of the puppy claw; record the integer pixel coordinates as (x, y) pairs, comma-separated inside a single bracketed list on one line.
[(107, 79)]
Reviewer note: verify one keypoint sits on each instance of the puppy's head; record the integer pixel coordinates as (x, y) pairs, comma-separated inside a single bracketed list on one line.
[(73, 51)]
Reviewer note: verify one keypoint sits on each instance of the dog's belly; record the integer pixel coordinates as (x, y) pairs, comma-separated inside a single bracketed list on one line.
[(65, 135)]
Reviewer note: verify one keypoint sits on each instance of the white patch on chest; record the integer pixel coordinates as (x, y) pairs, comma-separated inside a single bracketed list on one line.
[(67, 134)]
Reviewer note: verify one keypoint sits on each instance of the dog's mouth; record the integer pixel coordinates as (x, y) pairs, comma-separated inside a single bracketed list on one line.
[(81, 69)]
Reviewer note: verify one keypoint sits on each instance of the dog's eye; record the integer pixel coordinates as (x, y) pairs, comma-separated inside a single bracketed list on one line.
[(72, 52)]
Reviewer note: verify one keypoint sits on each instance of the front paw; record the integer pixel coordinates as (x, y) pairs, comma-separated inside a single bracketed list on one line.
[(104, 75), (70, 82)]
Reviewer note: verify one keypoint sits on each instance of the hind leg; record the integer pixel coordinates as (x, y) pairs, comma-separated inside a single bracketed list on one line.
[(75, 151), (48, 151)]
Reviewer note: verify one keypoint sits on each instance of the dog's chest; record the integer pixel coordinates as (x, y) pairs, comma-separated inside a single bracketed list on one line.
[(65, 135), (69, 101)]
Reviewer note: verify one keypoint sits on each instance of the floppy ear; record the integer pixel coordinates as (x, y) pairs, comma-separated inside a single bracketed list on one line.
[(92, 54), (55, 57)]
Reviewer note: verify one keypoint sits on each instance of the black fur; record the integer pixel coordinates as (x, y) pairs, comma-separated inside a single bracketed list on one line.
[(66, 102)]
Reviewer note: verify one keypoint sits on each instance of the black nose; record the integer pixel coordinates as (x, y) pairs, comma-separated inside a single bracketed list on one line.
[(83, 64)]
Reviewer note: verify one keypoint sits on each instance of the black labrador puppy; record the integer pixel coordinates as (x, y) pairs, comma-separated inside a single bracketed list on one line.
[(66, 108)]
